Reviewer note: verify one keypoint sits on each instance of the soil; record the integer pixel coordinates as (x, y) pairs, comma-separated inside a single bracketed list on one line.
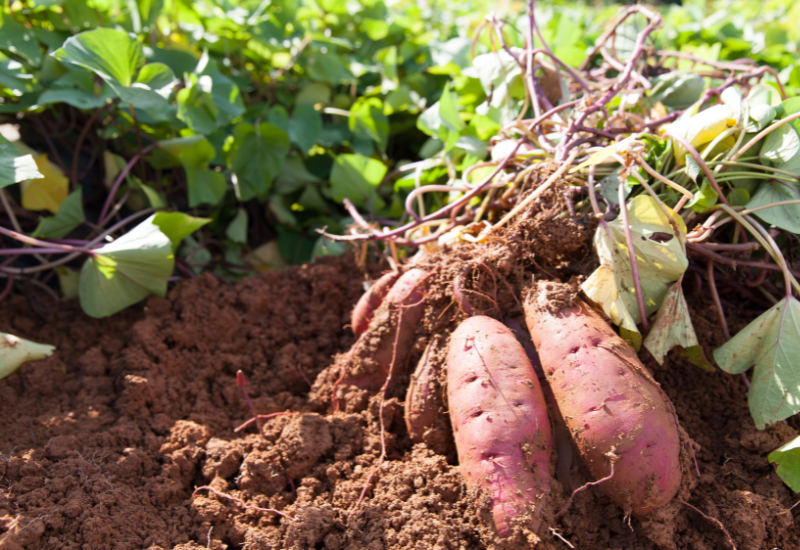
[(104, 444)]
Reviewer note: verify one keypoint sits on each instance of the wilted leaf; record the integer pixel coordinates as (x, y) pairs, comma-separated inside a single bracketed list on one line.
[(14, 351), (126, 271), (660, 259), (47, 192), (623, 147), (69, 217), (788, 460), (265, 257), (771, 344), (700, 128), (673, 327)]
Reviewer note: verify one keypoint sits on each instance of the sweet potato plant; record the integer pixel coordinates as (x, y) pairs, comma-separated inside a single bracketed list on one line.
[(680, 166)]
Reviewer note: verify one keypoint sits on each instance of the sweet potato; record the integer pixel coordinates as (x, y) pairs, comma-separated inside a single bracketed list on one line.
[(614, 409), (370, 301), (500, 421), (423, 401), (389, 334)]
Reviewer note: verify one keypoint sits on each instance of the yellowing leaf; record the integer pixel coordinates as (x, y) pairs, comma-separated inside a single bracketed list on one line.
[(15, 351), (266, 257), (660, 258), (628, 145), (45, 193), (673, 327), (700, 129), (601, 287)]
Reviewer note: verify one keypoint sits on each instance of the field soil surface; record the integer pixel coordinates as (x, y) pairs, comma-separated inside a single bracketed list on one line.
[(103, 444)]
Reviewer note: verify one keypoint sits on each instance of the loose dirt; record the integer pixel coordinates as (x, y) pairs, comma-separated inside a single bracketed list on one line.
[(103, 444)]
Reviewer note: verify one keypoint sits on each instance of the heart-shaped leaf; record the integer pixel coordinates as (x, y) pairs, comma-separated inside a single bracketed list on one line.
[(14, 351), (126, 271)]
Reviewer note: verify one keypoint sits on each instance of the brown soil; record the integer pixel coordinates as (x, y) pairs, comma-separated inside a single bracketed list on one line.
[(103, 444)]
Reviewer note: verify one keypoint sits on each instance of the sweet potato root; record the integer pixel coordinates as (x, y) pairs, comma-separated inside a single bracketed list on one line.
[(614, 409), (370, 301), (500, 421)]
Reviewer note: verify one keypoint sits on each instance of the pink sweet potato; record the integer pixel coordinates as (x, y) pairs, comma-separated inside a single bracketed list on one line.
[(613, 408), (500, 421), (370, 301), (390, 333)]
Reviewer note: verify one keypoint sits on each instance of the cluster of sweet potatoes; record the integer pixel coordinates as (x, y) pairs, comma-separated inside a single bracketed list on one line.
[(619, 419)]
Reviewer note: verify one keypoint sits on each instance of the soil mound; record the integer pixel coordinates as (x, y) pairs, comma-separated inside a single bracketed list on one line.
[(104, 443)]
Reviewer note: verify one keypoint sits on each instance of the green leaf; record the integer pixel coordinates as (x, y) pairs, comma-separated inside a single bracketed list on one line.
[(660, 258), (14, 351), (313, 93), (788, 460), (15, 167), (355, 177), (327, 247), (692, 168), (15, 38), (237, 229), (195, 153), (126, 271), (738, 197), (68, 280), (704, 198), (367, 120), (448, 110), (787, 216), (77, 98), (177, 225), (677, 89), (294, 176), (781, 145), (110, 53), (256, 157), (305, 127), (673, 327), (771, 344), (69, 217)]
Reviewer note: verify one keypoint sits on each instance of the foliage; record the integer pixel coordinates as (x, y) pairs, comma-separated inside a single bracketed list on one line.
[(243, 128)]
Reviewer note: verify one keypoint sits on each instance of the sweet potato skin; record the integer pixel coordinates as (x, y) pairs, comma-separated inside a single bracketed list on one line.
[(370, 301), (500, 420), (395, 321), (423, 401), (610, 402)]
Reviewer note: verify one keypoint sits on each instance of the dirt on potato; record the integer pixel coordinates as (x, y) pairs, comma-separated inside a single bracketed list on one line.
[(103, 444)]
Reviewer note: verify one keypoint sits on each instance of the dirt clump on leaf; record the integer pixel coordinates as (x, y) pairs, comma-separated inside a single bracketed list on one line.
[(104, 443)]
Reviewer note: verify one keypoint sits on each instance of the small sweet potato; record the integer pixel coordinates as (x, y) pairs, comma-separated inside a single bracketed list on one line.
[(613, 408), (423, 400), (370, 301), (389, 335), (500, 421)]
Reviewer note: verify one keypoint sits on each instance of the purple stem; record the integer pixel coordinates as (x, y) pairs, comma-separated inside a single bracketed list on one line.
[(432, 216), (114, 188), (700, 162), (712, 284)]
